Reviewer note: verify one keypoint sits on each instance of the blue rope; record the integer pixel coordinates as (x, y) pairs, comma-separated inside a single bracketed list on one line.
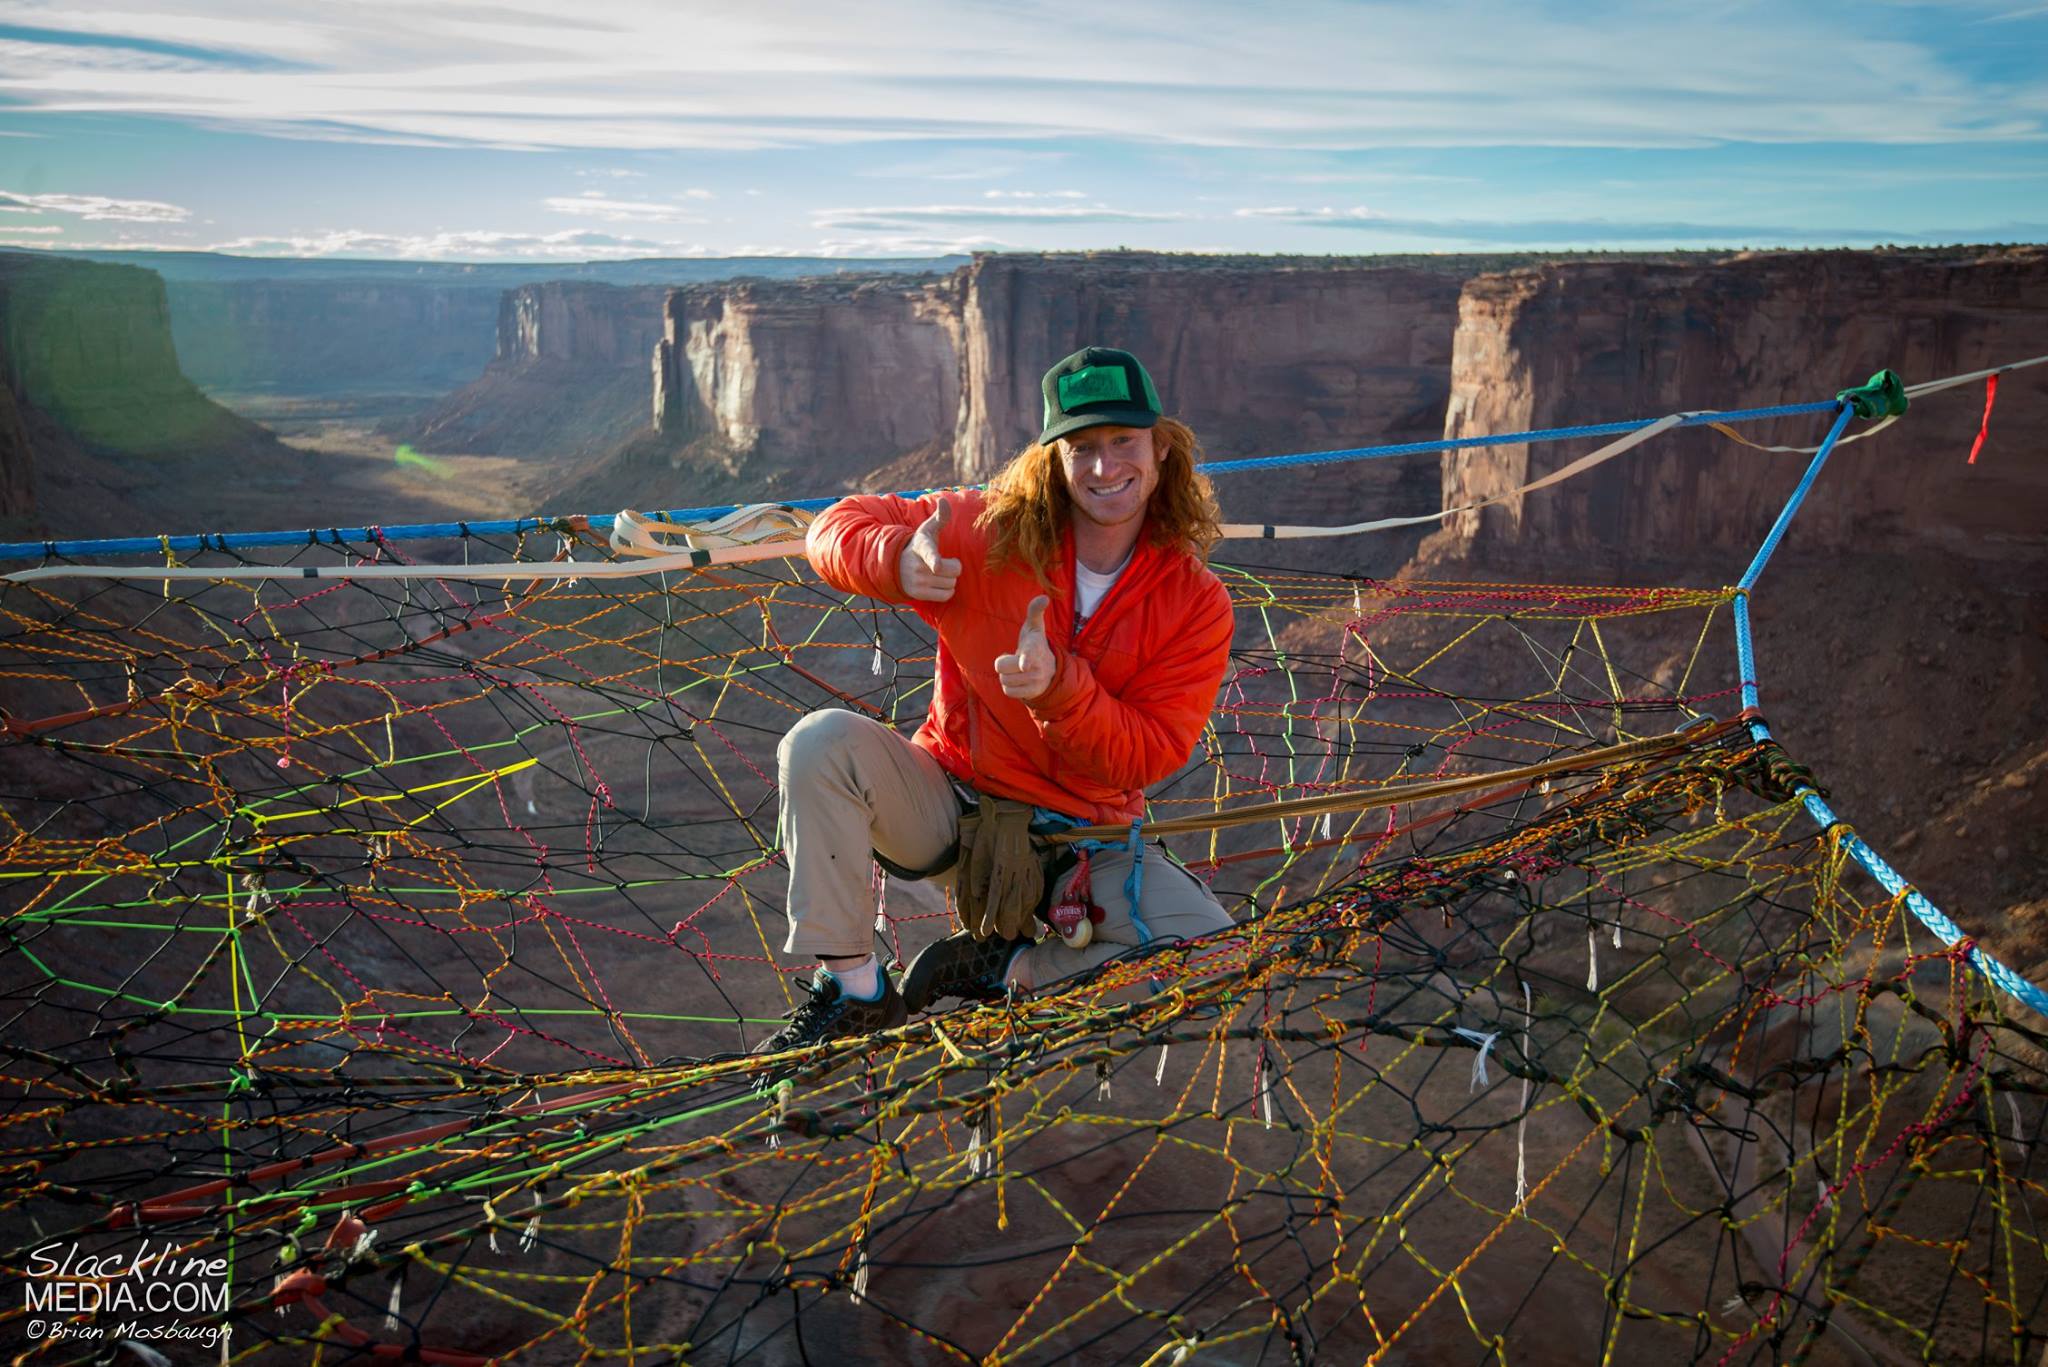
[(1745, 656), (420, 531), (1601, 429), (1134, 883), (1929, 915), (1817, 808), (1045, 820), (1777, 532)]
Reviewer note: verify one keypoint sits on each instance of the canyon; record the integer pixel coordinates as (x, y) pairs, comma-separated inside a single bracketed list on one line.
[(1574, 343), (1910, 577), (665, 394), (267, 330), (815, 387), (1902, 630), (568, 375), (95, 412)]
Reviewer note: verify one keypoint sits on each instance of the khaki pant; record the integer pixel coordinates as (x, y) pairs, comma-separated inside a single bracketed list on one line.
[(852, 788)]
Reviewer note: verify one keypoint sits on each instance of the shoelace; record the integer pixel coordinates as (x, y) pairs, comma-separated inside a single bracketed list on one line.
[(815, 1009)]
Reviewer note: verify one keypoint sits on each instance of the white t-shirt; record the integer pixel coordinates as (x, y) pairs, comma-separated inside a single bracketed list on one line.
[(1090, 588)]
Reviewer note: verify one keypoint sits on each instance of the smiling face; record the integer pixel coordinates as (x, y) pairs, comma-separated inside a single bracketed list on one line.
[(1111, 473)]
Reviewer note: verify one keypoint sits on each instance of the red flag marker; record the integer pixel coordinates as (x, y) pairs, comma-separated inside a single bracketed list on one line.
[(1984, 427)]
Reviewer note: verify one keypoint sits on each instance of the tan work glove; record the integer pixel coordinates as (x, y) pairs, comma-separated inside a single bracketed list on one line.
[(1000, 877)]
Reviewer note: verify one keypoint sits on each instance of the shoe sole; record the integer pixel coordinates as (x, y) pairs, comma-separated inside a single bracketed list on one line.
[(916, 987)]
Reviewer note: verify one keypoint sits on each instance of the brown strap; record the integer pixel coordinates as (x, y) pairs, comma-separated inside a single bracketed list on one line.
[(1415, 792)]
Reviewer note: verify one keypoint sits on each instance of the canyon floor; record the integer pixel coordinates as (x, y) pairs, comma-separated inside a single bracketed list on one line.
[(1912, 683), (348, 477), (364, 478)]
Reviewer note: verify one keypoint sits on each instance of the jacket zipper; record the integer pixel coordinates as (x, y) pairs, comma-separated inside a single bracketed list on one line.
[(1101, 608), (1101, 611)]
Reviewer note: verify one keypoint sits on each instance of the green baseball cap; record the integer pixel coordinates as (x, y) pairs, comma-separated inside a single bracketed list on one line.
[(1097, 386)]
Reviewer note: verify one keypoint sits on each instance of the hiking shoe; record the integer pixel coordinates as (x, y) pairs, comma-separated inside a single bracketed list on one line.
[(828, 1013), (959, 966)]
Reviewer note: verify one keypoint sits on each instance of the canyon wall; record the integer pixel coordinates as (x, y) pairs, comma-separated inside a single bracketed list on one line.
[(363, 331), (332, 337), (90, 347), (826, 378), (568, 375), (17, 459), (1261, 356), (812, 385), (1258, 354), (579, 323), (96, 406), (1578, 343)]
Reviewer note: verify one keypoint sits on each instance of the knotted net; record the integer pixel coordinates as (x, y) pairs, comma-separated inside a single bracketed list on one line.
[(394, 946)]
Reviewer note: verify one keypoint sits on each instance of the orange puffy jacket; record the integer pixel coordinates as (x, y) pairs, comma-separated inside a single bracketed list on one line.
[(1128, 698)]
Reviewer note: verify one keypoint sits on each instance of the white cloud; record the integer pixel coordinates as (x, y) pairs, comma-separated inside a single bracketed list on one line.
[(1326, 74), (910, 244), (978, 164), (16, 55), (611, 173), (1641, 232), (476, 245), (94, 207), (1033, 194), (9, 230), (901, 217), (596, 204), (1290, 214)]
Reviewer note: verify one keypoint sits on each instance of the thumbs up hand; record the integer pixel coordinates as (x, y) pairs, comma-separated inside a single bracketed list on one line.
[(924, 573), (1028, 672)]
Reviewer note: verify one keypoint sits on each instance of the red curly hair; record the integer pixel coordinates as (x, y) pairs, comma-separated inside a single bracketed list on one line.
[(1028, 504)]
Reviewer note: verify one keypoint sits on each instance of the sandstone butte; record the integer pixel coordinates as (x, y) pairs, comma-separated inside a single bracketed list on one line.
[(822, 384), (568, 374), (94, 409), (813, 386), (1584, 343)]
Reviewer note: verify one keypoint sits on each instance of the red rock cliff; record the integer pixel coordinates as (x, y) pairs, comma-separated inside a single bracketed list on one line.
[(819, 382), (828, 377), (95, 405), (1256, 353), (580, 323), (568, 376), (333, 336), (1261, 355), (1567, 343)]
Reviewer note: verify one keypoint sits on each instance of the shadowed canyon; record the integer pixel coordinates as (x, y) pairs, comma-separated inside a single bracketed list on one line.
[(1901, 633)]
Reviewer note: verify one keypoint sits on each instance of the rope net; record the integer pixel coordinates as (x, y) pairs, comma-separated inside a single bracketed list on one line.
[(393, 948)]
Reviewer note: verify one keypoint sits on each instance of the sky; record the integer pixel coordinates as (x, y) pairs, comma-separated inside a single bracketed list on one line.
[(537, 130)]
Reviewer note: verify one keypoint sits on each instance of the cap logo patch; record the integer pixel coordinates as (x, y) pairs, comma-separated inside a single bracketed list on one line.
[(1094, 384)]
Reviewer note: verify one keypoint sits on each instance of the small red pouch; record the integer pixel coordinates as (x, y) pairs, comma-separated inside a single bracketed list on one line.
[(1075, 906)]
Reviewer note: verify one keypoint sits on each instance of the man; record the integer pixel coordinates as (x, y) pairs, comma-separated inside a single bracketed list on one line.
[(1082, 640)]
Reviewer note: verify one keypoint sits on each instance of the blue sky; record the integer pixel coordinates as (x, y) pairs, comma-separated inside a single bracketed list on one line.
[(507, 131)]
